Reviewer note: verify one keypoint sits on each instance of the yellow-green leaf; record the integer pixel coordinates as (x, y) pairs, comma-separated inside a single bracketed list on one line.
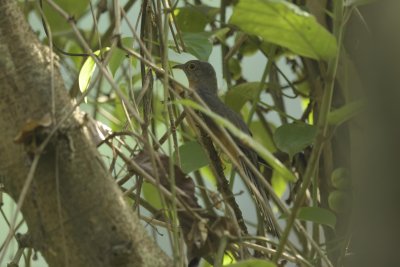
[(87, 70)]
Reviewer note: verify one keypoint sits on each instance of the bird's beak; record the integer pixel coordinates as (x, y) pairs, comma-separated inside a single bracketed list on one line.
[(179, 66)]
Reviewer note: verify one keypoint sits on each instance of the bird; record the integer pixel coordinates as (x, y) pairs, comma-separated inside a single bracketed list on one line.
[(203, 80)]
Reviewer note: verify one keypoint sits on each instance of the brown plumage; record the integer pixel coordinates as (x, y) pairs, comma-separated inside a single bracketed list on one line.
[(202, 78)]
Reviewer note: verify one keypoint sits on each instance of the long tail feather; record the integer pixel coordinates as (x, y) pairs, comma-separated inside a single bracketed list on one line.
[(265, 210)]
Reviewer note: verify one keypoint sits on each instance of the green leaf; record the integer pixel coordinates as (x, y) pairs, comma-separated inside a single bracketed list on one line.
[(316, 215), (339, 201), (198, 44), (293, 138), (194, 18), (282, 23), (245, 138), (87, 70), (234, 68), (57, 22), (71, 46), (229, 258), (221, 34), (252, 263), (345, 113), (118, 113), (238, 95), (263, 136), (152, 195), (250, 46), (278, 184), (209, 176), (192, 156), (118, 55), (340, 179)]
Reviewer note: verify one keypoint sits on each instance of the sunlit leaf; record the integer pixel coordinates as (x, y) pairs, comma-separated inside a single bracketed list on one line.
[(208, 175), (293, 138), (198, 44), (192, 157), (87, 70), (252, 263), (278, 184), (304, 105), (229, 258), (285, 24)]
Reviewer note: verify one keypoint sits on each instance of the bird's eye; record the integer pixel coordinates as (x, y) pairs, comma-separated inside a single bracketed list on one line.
[(192, 66)]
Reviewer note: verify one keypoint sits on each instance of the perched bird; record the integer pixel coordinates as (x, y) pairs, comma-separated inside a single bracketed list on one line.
[(202, 79)]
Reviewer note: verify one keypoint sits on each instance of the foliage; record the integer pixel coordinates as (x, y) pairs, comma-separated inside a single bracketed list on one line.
[(134, 91), (294, 138), (285, 24)]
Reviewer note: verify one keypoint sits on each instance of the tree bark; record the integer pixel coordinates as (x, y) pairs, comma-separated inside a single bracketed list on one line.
[(76, 214)]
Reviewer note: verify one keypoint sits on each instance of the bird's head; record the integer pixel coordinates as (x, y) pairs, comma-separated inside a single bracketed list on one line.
[(200, 74)]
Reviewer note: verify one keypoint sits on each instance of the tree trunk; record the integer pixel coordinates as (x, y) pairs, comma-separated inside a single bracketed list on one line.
[(372, 41), (76, 214)]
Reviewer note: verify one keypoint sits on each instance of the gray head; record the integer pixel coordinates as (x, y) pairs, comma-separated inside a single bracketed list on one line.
[(200, 74)]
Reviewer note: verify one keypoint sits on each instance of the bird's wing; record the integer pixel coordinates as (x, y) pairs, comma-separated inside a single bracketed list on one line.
[(236, 120)]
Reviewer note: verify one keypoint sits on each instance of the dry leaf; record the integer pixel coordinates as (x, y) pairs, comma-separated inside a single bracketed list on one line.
[(30, 127)]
